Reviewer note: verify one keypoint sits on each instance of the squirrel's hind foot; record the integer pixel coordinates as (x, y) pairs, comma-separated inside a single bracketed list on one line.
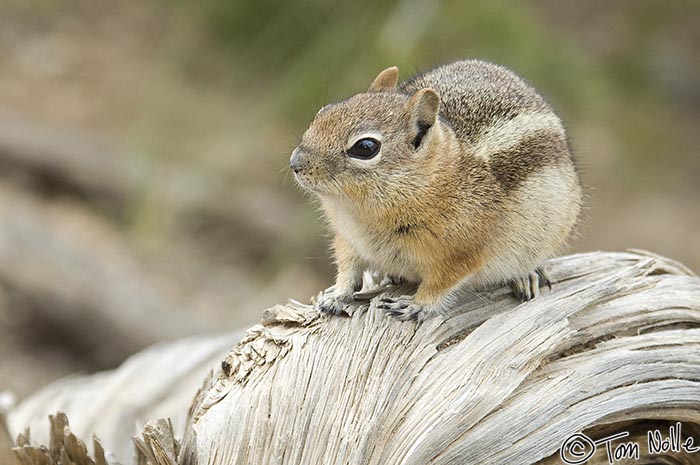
[(528, 287)]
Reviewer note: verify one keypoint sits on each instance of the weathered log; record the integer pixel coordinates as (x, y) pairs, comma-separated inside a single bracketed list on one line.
[(75, 275), (158, 382), (614, 347), (69, 162)]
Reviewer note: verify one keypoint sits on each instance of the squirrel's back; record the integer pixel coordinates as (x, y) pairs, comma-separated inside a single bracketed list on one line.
[(475, 95)]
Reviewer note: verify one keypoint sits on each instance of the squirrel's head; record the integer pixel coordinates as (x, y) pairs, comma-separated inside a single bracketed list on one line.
[(353, 148)]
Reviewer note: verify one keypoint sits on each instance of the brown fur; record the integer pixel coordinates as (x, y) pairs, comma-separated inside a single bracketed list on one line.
[(513, 166)]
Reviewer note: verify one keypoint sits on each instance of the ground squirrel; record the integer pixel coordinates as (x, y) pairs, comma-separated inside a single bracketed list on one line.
[(459, 177)]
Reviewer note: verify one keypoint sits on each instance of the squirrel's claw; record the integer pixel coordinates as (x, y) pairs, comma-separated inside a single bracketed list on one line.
[(528, 287), (402, 308), (544, 278), (334, 303)]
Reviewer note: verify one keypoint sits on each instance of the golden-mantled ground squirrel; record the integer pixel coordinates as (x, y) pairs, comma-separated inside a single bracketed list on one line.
[(459, 177)]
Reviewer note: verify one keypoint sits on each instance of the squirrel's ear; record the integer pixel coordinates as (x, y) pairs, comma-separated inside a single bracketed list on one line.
[(423, 109), (386, 80)]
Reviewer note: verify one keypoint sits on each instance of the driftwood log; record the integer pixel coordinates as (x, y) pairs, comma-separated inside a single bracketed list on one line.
[(64, 161), (72, 273), (614, 348), (157, 382)]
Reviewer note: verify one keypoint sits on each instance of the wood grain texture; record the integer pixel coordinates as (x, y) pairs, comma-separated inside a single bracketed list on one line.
[(615, 346), (158, 382)]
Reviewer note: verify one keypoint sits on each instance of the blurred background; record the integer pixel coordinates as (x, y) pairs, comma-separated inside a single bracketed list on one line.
[(144, 192)]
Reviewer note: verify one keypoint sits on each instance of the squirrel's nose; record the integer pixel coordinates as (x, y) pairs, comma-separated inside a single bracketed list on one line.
[(297, 162)]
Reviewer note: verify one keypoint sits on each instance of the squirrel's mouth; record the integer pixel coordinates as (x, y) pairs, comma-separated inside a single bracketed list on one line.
[(312, 183), (305, 181), (300, 179)]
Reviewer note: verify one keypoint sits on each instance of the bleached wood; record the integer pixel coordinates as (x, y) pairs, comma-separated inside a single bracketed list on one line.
[(497, 382), (158, 382), (615, 346)]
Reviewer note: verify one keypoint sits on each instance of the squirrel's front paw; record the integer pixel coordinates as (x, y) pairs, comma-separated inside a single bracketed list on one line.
[(528, 287), (403, 308), (335, 303)]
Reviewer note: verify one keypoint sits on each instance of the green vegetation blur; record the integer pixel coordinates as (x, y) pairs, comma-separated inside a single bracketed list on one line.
[(610, 65), (623, 75), (146, 143), (206, 100)]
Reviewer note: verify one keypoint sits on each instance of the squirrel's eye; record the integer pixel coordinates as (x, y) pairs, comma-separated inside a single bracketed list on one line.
[(364, 148)]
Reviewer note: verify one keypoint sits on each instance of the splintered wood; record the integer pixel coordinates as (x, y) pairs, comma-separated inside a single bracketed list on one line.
[(613, 348)]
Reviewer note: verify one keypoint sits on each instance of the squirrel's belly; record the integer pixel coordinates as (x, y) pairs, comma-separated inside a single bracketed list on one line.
[(382, 249), (395, 262), (387, 257)]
